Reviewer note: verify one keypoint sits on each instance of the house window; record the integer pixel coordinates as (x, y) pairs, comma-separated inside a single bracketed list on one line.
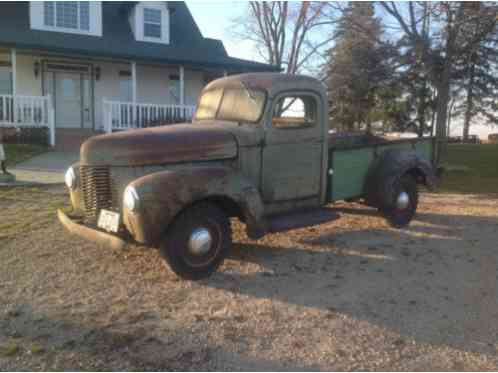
[(5, 80), (67, 14), (49, 13), (152, 23)]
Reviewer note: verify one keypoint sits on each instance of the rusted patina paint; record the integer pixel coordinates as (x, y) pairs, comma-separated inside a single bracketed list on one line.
[(272, 83), (164, 194), (159, 145), (228, 163)]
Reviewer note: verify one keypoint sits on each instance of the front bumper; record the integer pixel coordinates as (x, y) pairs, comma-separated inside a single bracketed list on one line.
[(101, 238)]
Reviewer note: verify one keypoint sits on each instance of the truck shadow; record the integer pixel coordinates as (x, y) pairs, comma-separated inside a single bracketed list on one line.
[(63, 344), (434, 282)]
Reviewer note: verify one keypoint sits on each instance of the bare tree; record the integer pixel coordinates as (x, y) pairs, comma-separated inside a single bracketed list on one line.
[(290, 35), (450, 39)]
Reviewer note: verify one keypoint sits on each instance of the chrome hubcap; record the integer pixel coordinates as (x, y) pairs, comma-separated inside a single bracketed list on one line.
[(200, 241), (403, 201)]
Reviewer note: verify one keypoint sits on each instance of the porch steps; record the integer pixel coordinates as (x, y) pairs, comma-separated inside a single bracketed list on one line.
[(70, 140)]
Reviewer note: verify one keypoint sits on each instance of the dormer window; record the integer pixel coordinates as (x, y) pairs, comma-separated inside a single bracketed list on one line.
[(149, 21), (152, 23), (76, 17)]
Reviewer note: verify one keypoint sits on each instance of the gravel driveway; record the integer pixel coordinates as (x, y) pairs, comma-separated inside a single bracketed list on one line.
[(352, 294)]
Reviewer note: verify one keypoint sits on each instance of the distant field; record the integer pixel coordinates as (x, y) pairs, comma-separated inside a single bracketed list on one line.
[(471, 169)]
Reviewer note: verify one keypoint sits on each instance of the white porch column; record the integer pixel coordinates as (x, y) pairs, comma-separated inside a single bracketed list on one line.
[(134, 81), (225, 73), (13, 62), (134, 112), (51, 120), (182, 85)]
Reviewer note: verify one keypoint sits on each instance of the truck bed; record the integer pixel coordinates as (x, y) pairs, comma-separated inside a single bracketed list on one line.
[(350, 159)]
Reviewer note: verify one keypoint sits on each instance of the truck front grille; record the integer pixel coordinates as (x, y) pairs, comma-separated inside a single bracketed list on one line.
[(96, 189)]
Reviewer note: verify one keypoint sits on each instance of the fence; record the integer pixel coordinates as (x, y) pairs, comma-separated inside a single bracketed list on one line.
[(29, 112), (126, 115)]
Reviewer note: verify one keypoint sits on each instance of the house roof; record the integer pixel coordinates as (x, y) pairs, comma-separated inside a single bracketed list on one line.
[(187, 45)]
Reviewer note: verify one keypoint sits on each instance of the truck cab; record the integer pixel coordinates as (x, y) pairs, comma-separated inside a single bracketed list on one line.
[(258, 149)]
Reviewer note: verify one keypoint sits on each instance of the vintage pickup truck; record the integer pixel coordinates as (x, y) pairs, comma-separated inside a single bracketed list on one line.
[(258, 149)]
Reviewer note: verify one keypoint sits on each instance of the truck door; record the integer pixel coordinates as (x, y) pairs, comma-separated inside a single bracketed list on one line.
[(292, 154)]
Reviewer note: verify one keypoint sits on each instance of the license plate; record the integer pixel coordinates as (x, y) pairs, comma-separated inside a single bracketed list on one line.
[(109, 221)]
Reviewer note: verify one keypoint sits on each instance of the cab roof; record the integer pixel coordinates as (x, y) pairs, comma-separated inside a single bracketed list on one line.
[(272, 83)]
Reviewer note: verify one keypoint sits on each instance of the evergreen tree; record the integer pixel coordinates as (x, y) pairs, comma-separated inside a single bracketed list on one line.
[(357, 71), (477, 69)]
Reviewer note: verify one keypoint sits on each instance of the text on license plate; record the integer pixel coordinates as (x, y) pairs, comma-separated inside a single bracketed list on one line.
[(109, 220)]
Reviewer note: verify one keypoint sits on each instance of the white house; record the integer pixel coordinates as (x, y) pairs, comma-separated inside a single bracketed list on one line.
[(103, 66)]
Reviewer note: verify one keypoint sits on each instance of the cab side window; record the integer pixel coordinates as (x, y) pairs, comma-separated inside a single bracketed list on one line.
[(294, 112)]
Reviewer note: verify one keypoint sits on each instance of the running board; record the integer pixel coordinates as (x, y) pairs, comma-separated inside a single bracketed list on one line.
[(300, 219)]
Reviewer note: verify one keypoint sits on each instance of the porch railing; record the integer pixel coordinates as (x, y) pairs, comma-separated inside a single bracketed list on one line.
[(28, 111), (126, 115)]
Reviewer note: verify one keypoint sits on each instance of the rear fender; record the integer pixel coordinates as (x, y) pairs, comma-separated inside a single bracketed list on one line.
[(389, 167), (164, 194)]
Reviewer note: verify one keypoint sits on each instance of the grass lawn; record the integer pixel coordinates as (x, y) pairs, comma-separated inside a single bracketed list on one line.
[(18, 153), (470, 169)]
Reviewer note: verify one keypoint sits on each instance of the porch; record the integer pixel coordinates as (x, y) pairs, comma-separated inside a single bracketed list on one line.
[(31, 113), (52, 93)]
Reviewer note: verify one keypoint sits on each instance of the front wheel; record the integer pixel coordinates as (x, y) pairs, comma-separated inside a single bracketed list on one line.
[(197, 242), (401, 210)]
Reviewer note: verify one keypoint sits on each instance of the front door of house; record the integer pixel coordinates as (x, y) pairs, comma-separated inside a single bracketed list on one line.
[(68, 100), (70, 86)]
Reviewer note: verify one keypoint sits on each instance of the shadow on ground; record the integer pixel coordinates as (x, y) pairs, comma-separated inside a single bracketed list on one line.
[(434, 282), (65, 345)]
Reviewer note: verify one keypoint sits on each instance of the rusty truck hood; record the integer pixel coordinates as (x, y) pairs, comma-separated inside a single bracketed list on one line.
[(159, 145)]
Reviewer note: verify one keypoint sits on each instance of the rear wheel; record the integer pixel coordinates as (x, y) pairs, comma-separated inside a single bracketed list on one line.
[(197, 242), (401, 210)]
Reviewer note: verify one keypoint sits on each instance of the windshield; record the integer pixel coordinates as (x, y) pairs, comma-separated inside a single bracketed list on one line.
[(232, 104)]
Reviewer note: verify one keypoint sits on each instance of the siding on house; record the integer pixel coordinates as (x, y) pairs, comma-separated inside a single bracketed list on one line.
[(109, 49), (26, 84), (153, 81)]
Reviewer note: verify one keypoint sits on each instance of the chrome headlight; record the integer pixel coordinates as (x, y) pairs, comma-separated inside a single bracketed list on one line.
[(130, 198), (70, 178)]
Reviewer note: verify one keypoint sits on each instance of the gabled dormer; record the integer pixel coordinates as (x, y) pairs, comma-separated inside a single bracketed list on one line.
[(76, 17), (150, 21)]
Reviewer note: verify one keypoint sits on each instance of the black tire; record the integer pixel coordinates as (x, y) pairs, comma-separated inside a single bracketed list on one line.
[(175, 246), (401, 217)]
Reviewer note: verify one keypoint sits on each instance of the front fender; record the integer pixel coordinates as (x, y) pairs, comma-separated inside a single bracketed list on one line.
[(164, 194), (389, 167)]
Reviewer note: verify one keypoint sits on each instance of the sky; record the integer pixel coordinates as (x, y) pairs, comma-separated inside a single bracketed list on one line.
[(215, 19)]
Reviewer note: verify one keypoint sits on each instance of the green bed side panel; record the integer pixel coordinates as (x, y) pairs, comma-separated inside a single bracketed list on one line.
[(425, 148), (350, 169)]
